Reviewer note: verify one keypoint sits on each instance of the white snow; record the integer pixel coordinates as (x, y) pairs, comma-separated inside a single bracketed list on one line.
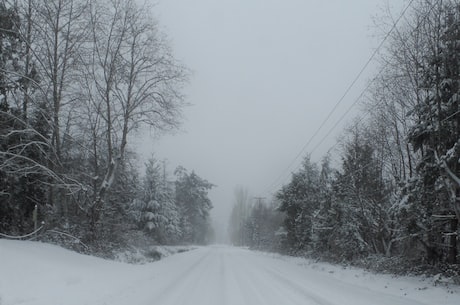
[(41, 274)]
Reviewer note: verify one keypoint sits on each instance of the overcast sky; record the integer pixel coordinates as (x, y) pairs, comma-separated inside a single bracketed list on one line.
[(265, 75)]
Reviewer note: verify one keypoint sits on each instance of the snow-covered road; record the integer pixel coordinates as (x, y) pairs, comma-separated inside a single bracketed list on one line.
[(33, 273), (222, 275)]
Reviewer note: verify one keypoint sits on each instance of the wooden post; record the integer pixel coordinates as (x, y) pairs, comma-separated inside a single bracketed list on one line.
[(35, 217)]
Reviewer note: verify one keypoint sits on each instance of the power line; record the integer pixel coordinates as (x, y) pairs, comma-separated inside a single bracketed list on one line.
[(368, 86), (357, 100), (283, 174)]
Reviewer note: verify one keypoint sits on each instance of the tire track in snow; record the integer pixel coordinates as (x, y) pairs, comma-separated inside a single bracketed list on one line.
[(184, 282), (233, 276), (273, 291)]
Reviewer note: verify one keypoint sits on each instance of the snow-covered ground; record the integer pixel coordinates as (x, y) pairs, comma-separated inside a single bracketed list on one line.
[(144, 255), (41, 274)]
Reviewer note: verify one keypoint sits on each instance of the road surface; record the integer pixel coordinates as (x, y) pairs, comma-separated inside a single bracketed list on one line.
[(233, 276), (40, 274)]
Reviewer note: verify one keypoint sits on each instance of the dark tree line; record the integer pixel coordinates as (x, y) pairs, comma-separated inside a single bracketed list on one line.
[(78, 78)]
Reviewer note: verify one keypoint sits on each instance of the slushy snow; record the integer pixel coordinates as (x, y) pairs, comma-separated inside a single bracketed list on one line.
[(33, 273)]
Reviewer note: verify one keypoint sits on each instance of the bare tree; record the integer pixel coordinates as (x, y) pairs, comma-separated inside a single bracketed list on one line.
[(240, 214), (131, 79)]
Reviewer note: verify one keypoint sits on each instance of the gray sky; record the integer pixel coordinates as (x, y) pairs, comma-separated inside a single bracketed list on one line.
[(265, 75)]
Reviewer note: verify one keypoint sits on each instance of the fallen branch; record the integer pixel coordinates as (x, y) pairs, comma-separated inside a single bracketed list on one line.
[(22, 236), (71, 236)]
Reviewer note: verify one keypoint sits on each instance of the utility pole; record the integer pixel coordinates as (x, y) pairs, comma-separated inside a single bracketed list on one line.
[(164, 172), (259, 199)]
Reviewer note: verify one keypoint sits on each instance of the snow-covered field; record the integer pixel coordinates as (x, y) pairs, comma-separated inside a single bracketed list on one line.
[(41, 274)]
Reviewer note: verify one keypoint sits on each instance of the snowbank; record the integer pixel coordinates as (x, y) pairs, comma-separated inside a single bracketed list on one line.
[(434, 290), (136, 255), (43, 274)]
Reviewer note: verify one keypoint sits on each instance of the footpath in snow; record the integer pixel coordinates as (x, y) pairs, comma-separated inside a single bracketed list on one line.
[(41, 274)]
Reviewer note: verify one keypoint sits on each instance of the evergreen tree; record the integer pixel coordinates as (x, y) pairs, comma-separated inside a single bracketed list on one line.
[(158, 213), (325, 224), (360, 193), (436, 135), (22, 141), (299, 200), (194, 204)]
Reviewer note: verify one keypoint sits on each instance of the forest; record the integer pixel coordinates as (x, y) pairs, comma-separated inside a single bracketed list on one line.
[(388, 192), (78, 80)]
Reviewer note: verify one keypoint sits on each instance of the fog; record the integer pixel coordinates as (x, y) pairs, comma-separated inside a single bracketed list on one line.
[(265, 75)]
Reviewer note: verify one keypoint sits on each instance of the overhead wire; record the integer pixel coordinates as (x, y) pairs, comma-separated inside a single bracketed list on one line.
[(367, 87), (285, 172), (342, 117), (370, 83)]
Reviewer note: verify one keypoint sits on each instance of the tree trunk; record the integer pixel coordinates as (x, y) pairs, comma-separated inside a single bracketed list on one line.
[(96, 207), (453, 251)]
